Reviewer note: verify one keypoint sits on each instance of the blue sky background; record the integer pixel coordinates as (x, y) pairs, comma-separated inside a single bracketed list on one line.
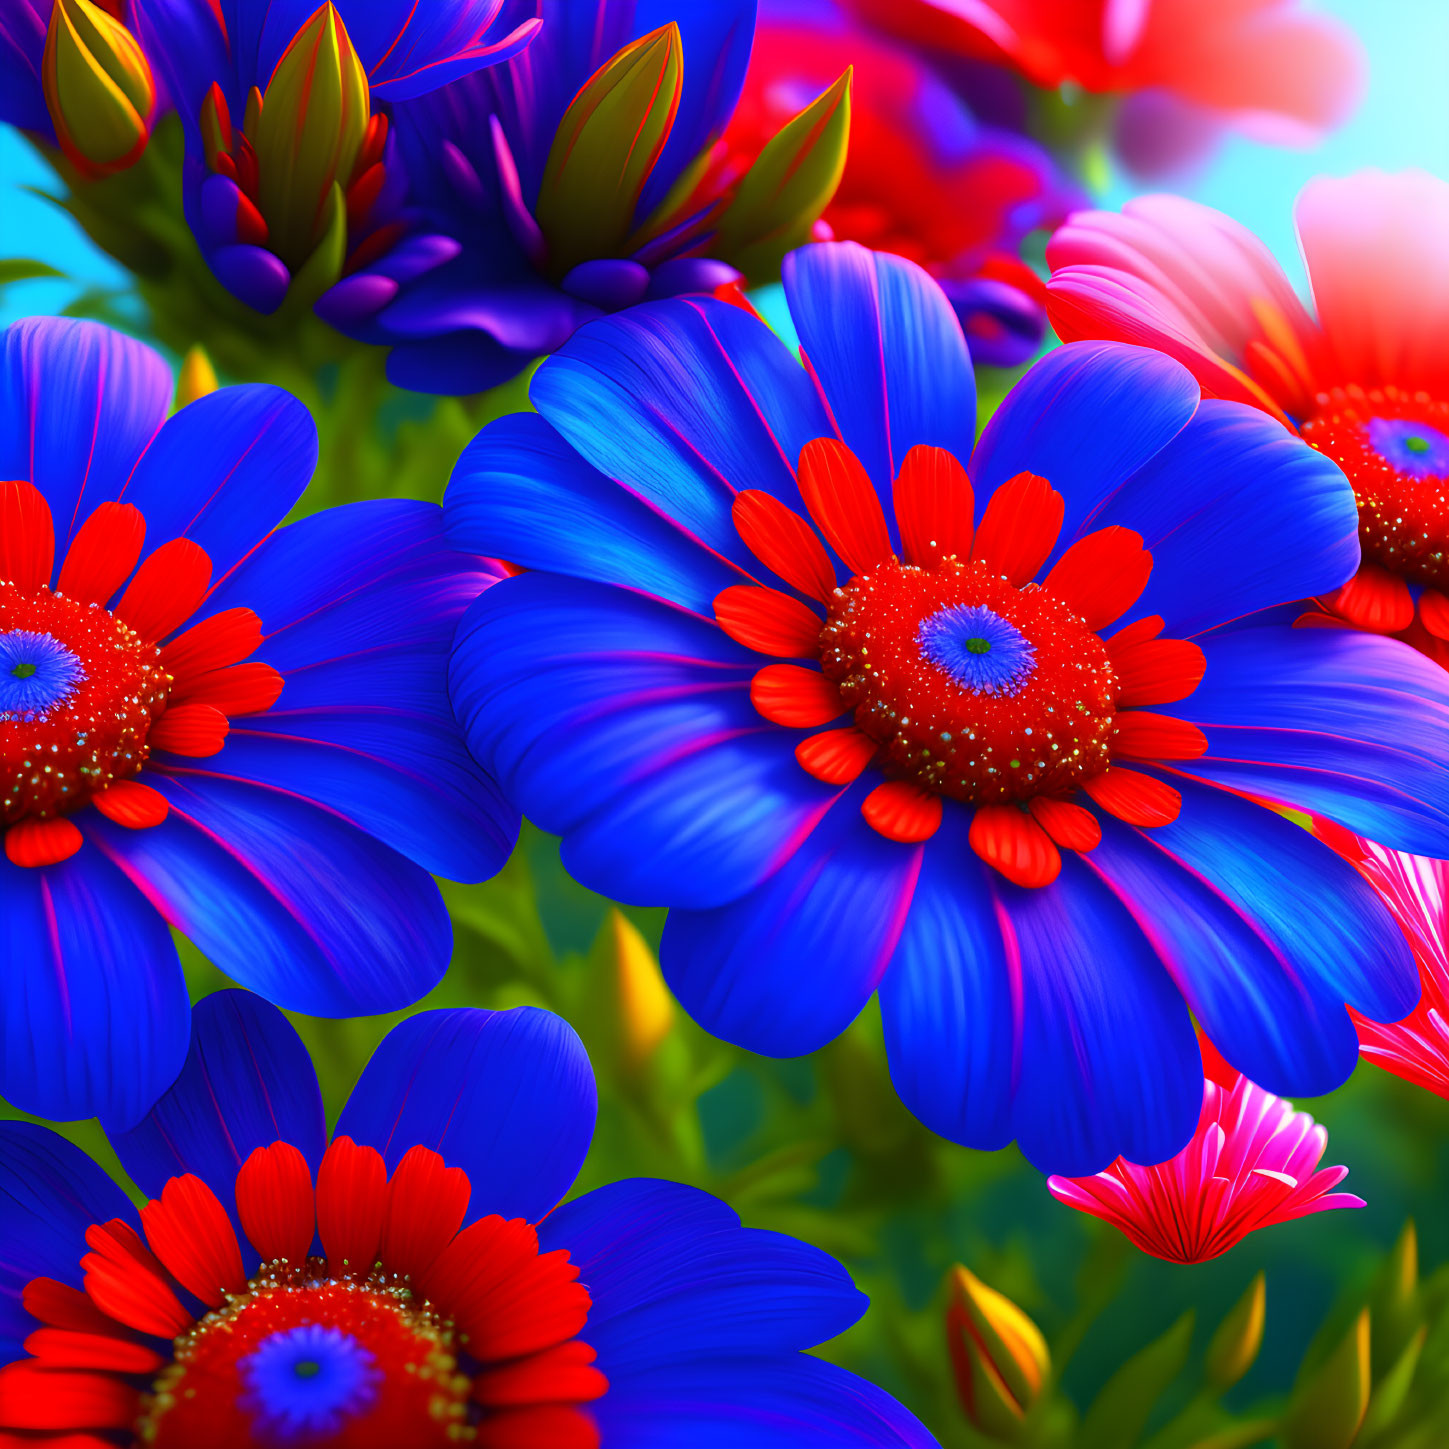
[(1404, 121)]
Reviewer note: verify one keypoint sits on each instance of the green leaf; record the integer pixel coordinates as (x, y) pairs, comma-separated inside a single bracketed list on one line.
[(605, 148), (1393, 1388), (790, 184), (1120, 1412), (1239, 1336), (24, 269), (1329, 1402)]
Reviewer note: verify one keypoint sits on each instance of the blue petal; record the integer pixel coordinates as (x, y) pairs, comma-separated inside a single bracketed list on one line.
[(93, 1008), (688, 401), (1085, 418), (247, 1083), (520, 492), (1266, 931), (78, 404), (626, 726), (791, 1402), (224, 471), (285, 898), (454, 363), (673, 1276), (1351, 726), (1106, 1062), (888, 351), (788, 967), (508, 1096), (1239, 515), (946, 1001), (50, 1193)]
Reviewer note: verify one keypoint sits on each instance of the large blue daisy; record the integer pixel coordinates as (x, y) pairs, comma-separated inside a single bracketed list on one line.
[(869, 704), (412, 1282), (207, 724)]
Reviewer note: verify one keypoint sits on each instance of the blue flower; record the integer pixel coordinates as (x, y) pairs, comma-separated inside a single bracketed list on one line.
[(730, 711), (209, 723), (578, 178), (289, 167), (414, 1276)]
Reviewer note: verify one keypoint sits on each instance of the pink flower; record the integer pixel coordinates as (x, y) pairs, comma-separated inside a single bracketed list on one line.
[(1415, 890), (1252, 1162)]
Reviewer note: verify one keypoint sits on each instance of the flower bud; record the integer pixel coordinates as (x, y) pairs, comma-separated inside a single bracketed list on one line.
[(307, 133), (1330, 1401), (98, 87), (998, 1356), (196, 378), (646, 1011)]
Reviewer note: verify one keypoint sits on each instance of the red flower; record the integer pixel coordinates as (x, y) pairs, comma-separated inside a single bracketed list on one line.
[(922, 179), (1366, 381), (1252, 1162), (1415, 890), (1262, 66)]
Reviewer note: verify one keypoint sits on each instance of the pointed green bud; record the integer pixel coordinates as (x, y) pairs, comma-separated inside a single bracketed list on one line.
[(1328, 1404), (605, 148), (1395, 1302), (646, 1010), (998, 1355), (1235, 1345), (98, 87), (792, 181), (307, 133)]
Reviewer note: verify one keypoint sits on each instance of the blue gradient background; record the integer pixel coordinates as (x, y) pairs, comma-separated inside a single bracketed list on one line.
[(1404, 121)]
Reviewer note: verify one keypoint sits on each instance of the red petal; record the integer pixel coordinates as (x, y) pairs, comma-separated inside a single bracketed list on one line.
[(189, 729), (1019, 527), (841, 499), (1156, 671), (1102, 575), (37, 843), (250, 688), (63, 1348), (837, 756), (1434, 613), (507, 1298), (60, 1306), (251, 225), (189, 1231), (1010, 841), (560, 1375), (275, 1203), (734, 294), (125, 1280), (103, 553), (362, 193), (1373, 599), (426, 1203), (934, 506), (556, 1425), (1137, 799), (784, 543), (1143, 736), (769, 622), (1070, 826), (32, 1397), (902, 811), (1136, 632), (351, 1201), (27, 537), (790, 694), (132, 804), (168, 589), (224, 638)]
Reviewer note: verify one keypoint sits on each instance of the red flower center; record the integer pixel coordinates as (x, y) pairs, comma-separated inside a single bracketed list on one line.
[(91, 684), (1394, 448), (971, 687), (963, 676), (406, 1328)]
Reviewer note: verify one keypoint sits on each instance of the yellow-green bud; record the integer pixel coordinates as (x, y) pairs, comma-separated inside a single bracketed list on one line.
[(646, 1011), (98, 87), (998, 1355)]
